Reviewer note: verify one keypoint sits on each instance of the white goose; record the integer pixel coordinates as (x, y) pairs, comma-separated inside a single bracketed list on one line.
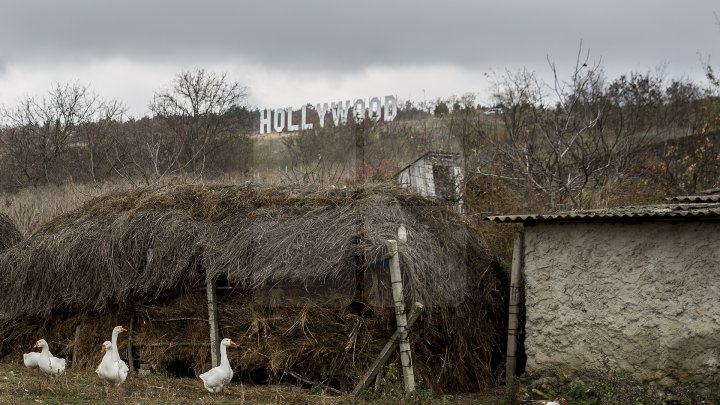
[(31, 359), (111, 370), (50, 365), (116, 352), (218, 377)]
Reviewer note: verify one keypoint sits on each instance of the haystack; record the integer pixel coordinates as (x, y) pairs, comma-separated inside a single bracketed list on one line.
[(9, 233), (301, 274)]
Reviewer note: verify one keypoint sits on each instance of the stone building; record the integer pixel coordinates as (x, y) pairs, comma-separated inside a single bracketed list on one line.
[(635, 288)]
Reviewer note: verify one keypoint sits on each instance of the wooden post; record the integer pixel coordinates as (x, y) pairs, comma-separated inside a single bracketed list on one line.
[(387, 351), (131, 325), (514, 311), (400, 318), (213, 320), (75, 345), (376, 287)]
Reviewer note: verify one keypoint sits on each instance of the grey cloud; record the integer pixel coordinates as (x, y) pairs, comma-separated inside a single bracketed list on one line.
[(338, 34)]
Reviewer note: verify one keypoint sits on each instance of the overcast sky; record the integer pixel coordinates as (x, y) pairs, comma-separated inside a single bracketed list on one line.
[(293, 52)]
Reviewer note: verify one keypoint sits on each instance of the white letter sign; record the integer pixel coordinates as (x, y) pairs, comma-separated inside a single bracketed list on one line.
[(374, 108)]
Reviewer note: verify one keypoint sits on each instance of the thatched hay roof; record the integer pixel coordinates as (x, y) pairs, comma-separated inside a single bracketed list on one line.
[(9, 232), (144, 255), (160, 241)]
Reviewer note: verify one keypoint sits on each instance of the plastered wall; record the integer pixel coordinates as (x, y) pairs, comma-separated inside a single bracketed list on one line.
[(640, 297)]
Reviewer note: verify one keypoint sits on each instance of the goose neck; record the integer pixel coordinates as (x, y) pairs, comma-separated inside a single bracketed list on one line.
[(223, 356)]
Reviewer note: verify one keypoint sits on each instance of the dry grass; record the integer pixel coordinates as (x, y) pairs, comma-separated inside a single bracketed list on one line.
[(141, 244), (21, 386), (32, 207), (9, 233)]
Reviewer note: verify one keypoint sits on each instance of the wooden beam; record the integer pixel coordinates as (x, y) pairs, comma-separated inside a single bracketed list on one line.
[(302, 379), (387, 351), (514, 310), (179, 319), (213, 320), (170, 344)]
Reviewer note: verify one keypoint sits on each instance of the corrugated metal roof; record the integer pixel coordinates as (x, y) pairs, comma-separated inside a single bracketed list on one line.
[(661, 211), (695, 198), (435, 154)]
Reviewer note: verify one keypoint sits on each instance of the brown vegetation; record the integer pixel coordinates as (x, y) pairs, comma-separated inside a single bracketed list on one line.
[(306, 266), (144, 252), (9, 233)]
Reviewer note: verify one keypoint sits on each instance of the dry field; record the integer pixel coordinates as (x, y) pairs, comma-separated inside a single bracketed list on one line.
[(21, 386), (34, 206)]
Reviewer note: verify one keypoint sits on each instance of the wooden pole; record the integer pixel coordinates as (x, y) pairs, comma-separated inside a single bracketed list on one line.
[(376, 288), (514, 310), (131, 325), (213, 320), (400, 318), (75, 345), (387, 351)]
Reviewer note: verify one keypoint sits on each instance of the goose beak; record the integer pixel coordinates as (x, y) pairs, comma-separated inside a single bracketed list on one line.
[(104, 349), (37, 344), (122, 329), (232, 343)]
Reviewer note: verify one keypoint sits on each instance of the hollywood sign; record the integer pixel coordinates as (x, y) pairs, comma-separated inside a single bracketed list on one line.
[(280, 119)]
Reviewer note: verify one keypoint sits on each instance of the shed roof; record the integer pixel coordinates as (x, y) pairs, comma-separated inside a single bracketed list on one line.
[(449, 156), (695, 198), (134, 246), (678, 209)]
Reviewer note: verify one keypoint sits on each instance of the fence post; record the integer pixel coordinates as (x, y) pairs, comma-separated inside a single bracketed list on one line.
[(514, 311), (213, 320), (131, 326), (76, 343), (400, 318)]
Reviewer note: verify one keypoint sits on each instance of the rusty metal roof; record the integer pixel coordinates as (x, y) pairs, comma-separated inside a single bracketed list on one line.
[(675, 211)]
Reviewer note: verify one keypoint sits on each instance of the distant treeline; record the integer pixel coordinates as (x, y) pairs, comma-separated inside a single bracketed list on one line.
[(581, 140)]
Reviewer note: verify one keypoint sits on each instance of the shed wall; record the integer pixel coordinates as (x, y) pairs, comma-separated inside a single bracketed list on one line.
[(642, 296), (419, 176)]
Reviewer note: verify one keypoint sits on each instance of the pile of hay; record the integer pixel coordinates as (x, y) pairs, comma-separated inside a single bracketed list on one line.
[(302, 275), (9, 232)]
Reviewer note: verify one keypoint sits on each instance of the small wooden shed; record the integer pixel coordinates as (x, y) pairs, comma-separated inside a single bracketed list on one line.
[(630, 288), (435, 174)]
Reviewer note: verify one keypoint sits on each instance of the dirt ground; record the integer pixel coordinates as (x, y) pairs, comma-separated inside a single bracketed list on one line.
[(21, 386)]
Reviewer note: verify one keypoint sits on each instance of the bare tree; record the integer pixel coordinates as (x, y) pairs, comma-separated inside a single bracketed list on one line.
[(545, 144), (318, 156), (96, 142), (563, 139), (193, 110), (144, 151), (38, 133)]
